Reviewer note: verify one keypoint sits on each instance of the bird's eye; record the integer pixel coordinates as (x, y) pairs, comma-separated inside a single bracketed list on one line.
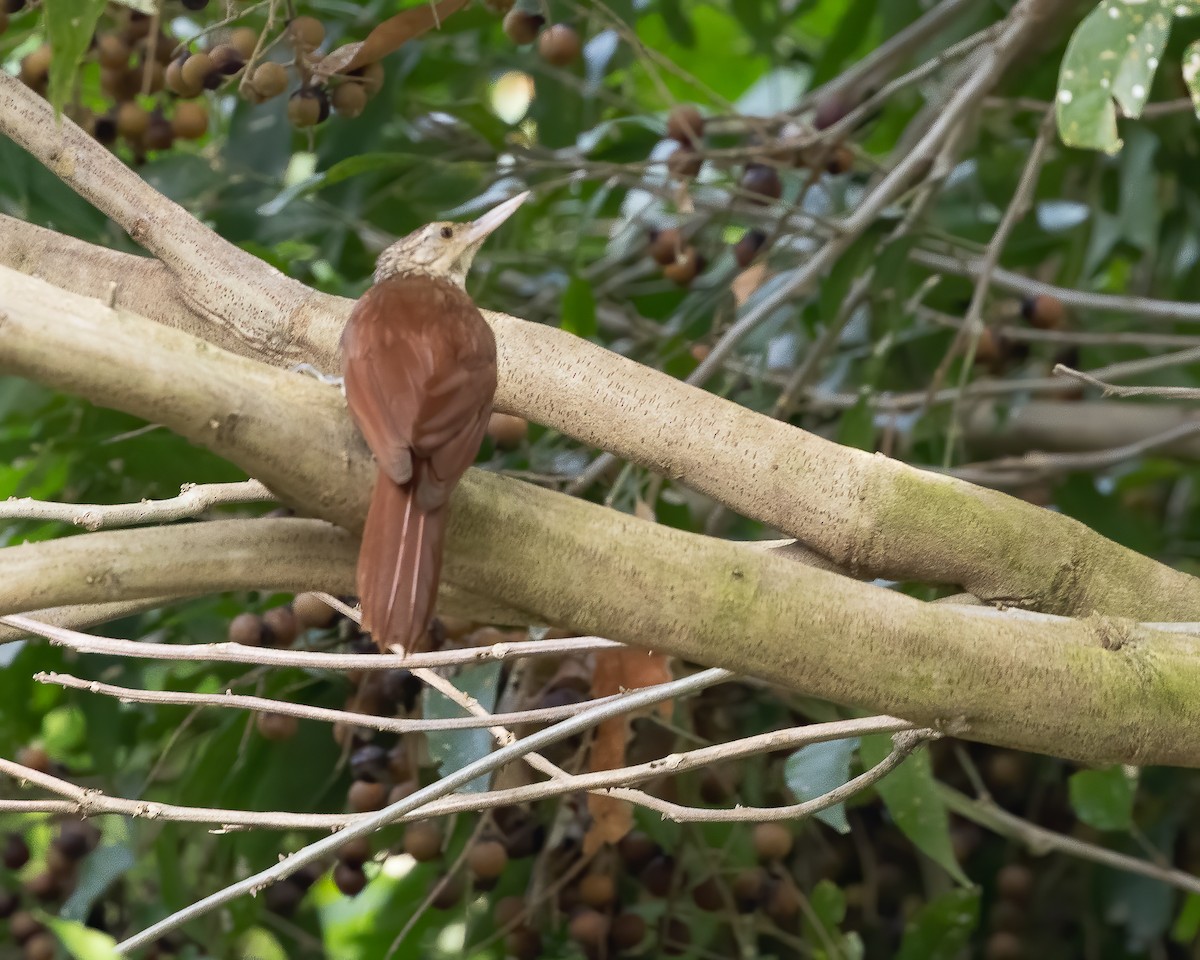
[(447, 233)]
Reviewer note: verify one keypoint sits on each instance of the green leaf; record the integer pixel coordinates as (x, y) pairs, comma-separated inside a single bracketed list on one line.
[(258, 943), (100, 870), (910, 794), (1103, 799), (1112, 55), (83, 943), (69, 28), (818, 768), (941, 928), (579, 308), (1187, 923), (454, 749)]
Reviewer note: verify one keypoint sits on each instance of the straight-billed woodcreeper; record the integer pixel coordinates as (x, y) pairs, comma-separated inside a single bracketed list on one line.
[(419, 363)]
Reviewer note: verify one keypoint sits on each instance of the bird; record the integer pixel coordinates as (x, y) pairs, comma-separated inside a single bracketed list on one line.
[(419, 374)]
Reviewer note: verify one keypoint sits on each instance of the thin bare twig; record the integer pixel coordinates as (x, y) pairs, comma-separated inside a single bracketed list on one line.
[(1112, 390)]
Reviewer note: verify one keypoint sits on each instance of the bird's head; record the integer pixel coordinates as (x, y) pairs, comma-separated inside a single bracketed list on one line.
[(444, 250)]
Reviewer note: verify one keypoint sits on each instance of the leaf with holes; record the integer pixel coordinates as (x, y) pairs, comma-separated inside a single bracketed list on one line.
[(1111, 58)]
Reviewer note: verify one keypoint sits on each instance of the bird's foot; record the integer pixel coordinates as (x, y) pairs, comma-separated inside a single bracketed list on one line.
[(334, 381)]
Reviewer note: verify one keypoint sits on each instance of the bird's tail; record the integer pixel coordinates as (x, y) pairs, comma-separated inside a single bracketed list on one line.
[(399, 565)]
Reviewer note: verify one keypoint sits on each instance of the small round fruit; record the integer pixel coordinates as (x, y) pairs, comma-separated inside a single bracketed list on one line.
[(598, 890), (657, 876), (423, 840), (16, 851), (9, 902), (112, 51), (306, 33), (665, 245), (191, 123), (276, 726), (44, 886), (76, 839), (840, 160), (684, 162), (1004, 945), (24, 925), (762, 181), (349, 879), (674, 935), (269, 79), (312, 612), (281, 626), (164, 48), (244, 40), (636, 850), (370, 77), (355, 852), (524, 943), (307, 107), (829, 111), (559, 45), (401, 790), (196, 71), (521, 26), (588, 928), (1015, 882), (685, 124), (195, 4), (700, 352), (448, 893), (628, 930), (132, 120), (1044, 311), (35, 67), (746, 249), (685, 268), (159, 135), (245, 628), (991, 348), (283, 898), (226, 59), (783, 899), (366, 795), (748, 889), (508, 910), (507, 431), (772, 841), (34, 757), (708, 896), (3, 20), (104, 129), (349, 99), (487, 859), (41, 946), (175, 82)]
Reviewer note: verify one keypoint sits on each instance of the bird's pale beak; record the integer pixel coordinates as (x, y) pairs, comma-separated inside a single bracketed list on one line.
[(479, 230)]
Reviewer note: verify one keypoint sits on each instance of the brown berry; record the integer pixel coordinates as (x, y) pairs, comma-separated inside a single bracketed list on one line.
[(306, 33), (355, 852), (783, 899), (45, 886), (197, 71), (524, 943), (281, 626), (3, 20), (423, 840), (762, 181), (840, 160), (366, 795), (283, 898), (349, 99), (658, 875), (1004, 945), (349, 879), (700, 352), (748, 889), (665, 245), (508, 910), (487, 859), (269, 79), (746, 249), (195, 4), (245, 628), (112, 51), (674, 935), (132, 120), (772, 841), (164, 48), (9, 902), (588, 928), (685, 124), (24, 925), (226, 59), (636, 850), (34, 757), (16, 851), (521, 26), (685, 267), (684, 162), (307, 107), (76, 839), (312, 612), (191, 123), (829, 111), (35, 67), (41, 946), (507, 431), (244, 40), (401, 790), (627, 932), (559, 45), (159, 135), (598, 890), (1044, 311), (175, 83), (369, 762), (276, 726), (991, 348), (1015, 882), (448, 892), (370, 77), (708, 896)]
